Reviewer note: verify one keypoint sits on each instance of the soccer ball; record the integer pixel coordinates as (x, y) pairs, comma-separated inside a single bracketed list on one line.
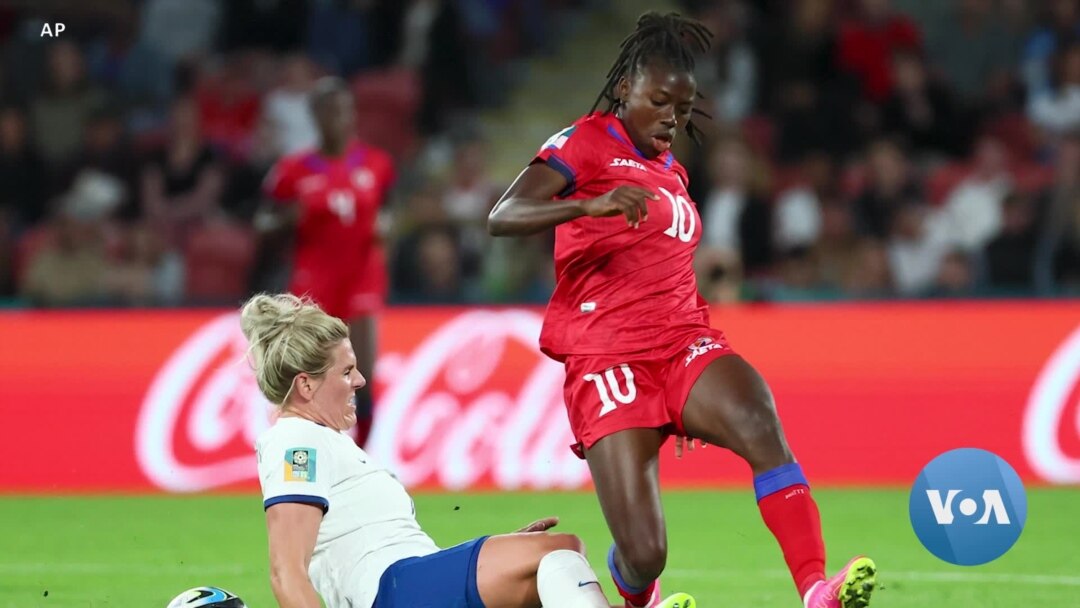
[(206, 597)]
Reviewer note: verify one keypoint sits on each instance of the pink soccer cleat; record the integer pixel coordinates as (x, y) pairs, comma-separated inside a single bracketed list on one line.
[(849, 588)]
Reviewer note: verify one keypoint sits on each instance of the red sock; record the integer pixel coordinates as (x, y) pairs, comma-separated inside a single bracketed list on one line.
[(636, 599), (792, 516)]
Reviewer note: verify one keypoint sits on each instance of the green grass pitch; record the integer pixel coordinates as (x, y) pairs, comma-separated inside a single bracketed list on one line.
[(137, 552)]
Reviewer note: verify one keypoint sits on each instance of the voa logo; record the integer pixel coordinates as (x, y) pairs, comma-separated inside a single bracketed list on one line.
[(968, 506)]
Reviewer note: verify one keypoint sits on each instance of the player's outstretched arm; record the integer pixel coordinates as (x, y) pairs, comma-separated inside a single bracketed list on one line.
[(527, 206), (292, 529)]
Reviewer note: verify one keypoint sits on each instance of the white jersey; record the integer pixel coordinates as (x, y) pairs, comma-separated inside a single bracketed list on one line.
[(369, 520)]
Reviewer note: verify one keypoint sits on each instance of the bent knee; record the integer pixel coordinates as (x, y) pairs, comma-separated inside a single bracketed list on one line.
[(571, 542), (645, 558)]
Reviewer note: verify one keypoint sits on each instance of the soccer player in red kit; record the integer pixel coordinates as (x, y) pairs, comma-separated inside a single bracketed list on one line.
[(641, 358), (332, 195)]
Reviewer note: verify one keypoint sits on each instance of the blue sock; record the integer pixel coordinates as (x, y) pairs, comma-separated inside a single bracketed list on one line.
[(619, 581), (783, 476)]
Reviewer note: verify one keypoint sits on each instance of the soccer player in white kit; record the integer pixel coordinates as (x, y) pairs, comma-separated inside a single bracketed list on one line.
[(342, 527)]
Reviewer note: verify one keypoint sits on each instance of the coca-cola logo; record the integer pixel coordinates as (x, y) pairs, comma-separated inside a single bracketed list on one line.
[(1051, 434), (475, 403), (200, 417)]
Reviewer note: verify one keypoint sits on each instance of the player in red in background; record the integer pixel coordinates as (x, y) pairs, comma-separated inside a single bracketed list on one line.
[(332, 196), (642, 360)]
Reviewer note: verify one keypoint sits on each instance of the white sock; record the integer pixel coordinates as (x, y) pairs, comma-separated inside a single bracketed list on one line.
[(566, 580)]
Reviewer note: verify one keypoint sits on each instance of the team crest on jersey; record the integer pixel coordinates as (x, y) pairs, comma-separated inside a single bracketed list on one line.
[(627, 162), (701, 346), (557, 141), (363, 179), (310, 183), (300, 464)]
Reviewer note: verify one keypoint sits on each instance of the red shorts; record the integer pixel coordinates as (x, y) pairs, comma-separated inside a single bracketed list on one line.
[(360, 293), (602, 398)]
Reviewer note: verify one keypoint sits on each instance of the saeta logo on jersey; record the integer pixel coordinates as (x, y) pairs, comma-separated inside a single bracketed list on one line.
[(626, 162), (968, 506), (699, 347)]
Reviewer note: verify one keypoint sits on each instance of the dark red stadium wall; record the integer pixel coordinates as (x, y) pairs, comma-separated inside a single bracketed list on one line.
[(144, 401)]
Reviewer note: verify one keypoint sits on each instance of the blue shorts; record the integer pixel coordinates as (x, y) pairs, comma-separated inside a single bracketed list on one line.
[(446, 579)]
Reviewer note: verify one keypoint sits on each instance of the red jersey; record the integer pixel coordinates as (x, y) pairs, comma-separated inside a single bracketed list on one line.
[(621, 290), (339, 199)]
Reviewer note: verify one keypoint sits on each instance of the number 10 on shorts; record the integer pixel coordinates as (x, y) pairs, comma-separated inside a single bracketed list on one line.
[(608, 386)]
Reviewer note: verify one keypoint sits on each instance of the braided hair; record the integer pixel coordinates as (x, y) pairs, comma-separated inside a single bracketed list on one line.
[(671, 38)]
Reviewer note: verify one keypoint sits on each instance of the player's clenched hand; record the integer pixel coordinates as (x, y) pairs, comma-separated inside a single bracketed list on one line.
[(627, 201), (541, 525), (685, 444)]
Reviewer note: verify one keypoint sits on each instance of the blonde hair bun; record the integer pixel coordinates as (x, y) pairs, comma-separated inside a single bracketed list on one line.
[(288, 335)]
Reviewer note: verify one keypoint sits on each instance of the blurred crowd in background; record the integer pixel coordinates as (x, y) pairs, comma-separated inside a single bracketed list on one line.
[(858, 148)]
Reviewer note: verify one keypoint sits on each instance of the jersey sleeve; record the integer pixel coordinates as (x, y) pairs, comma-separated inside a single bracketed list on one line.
[(295, 467), (382, 164), (572, 153), (280, 181)]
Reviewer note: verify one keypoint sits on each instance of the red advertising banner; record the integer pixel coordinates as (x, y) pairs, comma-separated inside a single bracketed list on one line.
[(868, 393)]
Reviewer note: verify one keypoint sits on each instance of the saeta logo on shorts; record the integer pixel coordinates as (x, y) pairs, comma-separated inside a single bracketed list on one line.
[(968, 507)]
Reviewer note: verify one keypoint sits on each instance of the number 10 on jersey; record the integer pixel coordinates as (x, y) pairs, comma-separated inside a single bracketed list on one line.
[(608, 386), (683, 220)]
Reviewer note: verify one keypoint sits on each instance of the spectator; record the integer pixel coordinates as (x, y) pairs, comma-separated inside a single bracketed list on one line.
[(974, 51), (345, 37), (468, 199), (105, 149), (812, 100), (868, 42), (61, 109), (130, 67), (435, 44), (838, 245), (181, 185), (798, 209), (145, 272), (922, 110), (735, 215), (973, 208), (22, 173), (73, 268), (437, 268), (889, 184), (180, 30), (869, 276), (955, 278), (229, 106), (1062, 25), (727, 76), (264, 24), (719, 275), (287, 109), (1066, 253), (1010, 256), (1056, 108), (918, 242), (800, 278)]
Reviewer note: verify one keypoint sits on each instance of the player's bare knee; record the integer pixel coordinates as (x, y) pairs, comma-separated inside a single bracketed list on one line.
[(570, 542)]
